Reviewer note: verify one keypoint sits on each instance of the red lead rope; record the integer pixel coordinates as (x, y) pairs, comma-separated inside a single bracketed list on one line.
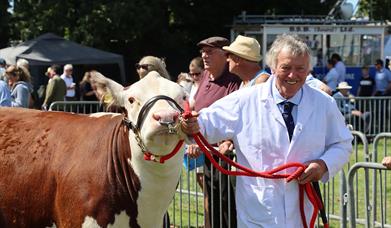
[(209, 151)]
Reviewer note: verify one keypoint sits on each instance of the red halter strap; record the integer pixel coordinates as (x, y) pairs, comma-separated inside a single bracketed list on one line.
[(148, 156)]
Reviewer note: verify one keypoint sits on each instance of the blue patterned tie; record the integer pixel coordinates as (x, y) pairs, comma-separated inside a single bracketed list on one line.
[(288, 118)]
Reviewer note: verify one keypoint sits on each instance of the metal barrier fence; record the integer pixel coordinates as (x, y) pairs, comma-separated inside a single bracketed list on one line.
[(187, 208), (371, 115), (77, 106), (369, 205)]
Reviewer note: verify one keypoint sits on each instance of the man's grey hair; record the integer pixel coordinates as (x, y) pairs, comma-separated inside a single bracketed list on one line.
[(293, 43), (68, 67), (22, 62)]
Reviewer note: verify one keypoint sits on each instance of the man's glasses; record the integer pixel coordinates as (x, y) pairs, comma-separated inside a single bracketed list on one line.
[(144, 66), (195, 74)]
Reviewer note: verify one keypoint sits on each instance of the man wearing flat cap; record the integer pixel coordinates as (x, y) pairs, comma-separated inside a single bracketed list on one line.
[(243, 58), (217, 82)]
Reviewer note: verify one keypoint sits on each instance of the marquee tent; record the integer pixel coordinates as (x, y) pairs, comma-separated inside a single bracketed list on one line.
[(50, 49)]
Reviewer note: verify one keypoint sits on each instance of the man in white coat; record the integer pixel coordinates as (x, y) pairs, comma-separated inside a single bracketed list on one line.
[(252, 118)]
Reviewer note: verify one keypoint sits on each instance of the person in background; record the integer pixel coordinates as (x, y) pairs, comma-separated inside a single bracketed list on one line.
[(86, 91), (332, 77), (216, 83), (348, 109), (3, 65), (5, 95), (56, 88), (34, 99), (196, 70), (71, 85), (339, 67), (243, 58), (185, 80), (382, 79), (387, 162), (24, 63), (152, 63), (19, 81), (317, 84), (367, 83), (296, 113)]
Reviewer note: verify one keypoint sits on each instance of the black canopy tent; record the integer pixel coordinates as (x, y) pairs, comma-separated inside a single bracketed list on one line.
[(50, 49)]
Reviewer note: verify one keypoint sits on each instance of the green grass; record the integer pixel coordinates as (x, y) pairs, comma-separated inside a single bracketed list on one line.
[(186, 209)]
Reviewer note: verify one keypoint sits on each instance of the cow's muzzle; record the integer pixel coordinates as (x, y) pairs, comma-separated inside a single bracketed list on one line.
[(169, 120)]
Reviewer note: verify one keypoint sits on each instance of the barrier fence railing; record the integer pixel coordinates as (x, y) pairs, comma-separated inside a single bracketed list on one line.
[(384, 193), (370, 115), (381, 146), (77, 106)]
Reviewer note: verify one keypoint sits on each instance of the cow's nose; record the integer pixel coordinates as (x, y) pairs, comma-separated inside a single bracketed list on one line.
[(166, 116)]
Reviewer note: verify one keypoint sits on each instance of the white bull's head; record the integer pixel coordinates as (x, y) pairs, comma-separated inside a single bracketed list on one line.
[(158, 124)]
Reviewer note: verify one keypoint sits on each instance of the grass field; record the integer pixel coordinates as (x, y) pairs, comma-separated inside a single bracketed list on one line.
[(186, 209)]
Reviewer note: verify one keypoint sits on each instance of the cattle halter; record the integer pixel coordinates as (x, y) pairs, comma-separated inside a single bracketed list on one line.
[(172, 128)]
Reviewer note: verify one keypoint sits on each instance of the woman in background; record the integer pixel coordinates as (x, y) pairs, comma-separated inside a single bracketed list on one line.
[(152, 63), (19, 81), (86, 91)]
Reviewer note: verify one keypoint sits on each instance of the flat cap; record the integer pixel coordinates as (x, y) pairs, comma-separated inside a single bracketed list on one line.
[(214, 41)]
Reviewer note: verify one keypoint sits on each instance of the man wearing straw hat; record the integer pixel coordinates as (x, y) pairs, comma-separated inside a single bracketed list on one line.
[(243, 58)]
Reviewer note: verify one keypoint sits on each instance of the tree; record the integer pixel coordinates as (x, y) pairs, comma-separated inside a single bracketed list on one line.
[(376, 9), (4, 23), (164, 28)]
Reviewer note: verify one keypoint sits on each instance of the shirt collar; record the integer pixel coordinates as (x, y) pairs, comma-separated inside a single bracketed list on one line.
[(278, 98)]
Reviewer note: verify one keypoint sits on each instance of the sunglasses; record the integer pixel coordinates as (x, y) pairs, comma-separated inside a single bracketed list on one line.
[(144, 66), (195, 74)]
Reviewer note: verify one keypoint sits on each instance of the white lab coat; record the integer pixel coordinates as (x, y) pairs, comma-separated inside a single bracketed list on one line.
[(253, 121)]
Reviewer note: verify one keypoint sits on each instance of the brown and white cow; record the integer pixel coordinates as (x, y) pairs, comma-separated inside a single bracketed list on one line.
[(69, 170)]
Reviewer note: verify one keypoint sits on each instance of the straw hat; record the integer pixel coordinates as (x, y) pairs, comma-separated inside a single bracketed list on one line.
[(246, 47), (343, 85)]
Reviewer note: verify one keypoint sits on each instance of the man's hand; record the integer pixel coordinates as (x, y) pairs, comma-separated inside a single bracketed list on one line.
[(314, 171), (193, 151), (387, 162), (226, 147), (190, 126)]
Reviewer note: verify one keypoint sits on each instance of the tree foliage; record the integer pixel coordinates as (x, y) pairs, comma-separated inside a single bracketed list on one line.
[(4, 23), (165, 28), (376, 9)]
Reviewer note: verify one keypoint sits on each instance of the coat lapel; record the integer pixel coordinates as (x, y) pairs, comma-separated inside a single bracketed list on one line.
[(268, 102), (304, 112)]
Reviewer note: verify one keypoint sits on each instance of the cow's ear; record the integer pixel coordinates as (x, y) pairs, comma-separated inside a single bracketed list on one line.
[(106, 87)]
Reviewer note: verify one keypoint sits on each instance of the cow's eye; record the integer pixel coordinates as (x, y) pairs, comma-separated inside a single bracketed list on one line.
[(131, 100)]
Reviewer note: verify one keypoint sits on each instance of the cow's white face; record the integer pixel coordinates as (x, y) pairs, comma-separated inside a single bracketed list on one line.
[(161, 116)]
